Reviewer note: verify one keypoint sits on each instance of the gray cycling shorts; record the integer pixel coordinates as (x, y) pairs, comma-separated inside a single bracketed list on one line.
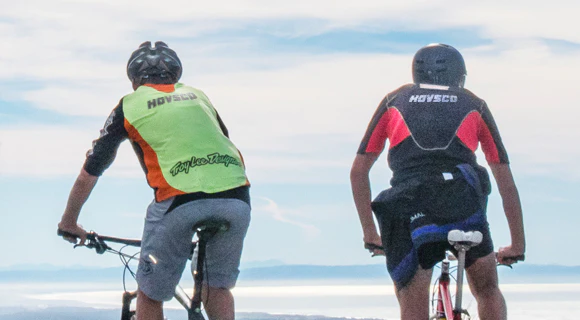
[(166, 244)]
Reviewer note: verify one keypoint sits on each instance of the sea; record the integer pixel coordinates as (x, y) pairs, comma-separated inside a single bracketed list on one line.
[(368, 299)]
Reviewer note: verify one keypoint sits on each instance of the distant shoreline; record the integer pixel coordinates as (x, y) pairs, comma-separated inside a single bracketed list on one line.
[(521, 273)]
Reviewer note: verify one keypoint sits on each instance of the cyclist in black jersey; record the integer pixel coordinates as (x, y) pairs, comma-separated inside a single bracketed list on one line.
[(434, 126)]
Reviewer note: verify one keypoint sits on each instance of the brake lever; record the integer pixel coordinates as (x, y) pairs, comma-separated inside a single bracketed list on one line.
[(371, 247), (514, 259), (92, 241), (96, 243)]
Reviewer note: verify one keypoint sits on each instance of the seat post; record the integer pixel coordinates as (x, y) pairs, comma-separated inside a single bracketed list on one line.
[(205, 231), (198, 275), (462, 241), (461, 249)]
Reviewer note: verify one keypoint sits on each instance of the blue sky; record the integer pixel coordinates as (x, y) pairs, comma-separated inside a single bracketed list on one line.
[(296, 83)]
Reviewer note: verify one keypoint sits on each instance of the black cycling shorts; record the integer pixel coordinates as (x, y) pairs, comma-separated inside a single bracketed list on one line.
[(414, 220)]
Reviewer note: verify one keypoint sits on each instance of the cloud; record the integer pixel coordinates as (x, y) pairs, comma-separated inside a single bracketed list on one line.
[(296, 116), (86, 100), (98, 20), (530, 92), (47, 151), (303, 123), (287, 216), (63, 39)]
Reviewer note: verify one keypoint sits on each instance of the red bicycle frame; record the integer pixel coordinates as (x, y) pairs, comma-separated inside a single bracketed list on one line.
[(445, 309), (462, 242), (444, 306)]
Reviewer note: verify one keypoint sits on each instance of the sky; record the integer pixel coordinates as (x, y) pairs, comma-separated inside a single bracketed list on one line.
[(296, 82)]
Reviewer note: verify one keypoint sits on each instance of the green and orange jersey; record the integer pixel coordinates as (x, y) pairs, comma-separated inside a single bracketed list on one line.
[(179, 138)]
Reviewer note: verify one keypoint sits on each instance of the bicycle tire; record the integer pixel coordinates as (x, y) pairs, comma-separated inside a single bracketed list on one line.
[(134, 317), (196, 316), (463, 317)]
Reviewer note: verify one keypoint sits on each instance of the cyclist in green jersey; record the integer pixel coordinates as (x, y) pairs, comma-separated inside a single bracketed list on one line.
[(196, 173)]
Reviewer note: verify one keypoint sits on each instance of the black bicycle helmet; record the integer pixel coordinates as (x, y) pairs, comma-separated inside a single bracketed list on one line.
[(439, 64), (158, 64)]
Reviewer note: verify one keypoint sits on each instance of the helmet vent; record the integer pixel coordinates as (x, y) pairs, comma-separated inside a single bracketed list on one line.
[(158, 63)]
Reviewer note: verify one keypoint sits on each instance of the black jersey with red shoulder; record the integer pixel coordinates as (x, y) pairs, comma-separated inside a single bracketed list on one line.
[(432, 126)]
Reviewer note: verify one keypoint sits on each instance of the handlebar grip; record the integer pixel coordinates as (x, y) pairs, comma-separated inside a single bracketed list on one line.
[(372, 246), (515, 259), (62, 233), (521, 257)]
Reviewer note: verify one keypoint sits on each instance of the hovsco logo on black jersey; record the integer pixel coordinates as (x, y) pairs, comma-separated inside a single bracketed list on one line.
[(433, 98)]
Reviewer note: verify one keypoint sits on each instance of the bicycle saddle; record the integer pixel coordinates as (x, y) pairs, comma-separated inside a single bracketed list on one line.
[(471, 238), (212, 225)]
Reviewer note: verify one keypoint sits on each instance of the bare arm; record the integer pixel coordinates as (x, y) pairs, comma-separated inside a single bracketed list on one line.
[(361, 191), (78, 196), (512, 208)]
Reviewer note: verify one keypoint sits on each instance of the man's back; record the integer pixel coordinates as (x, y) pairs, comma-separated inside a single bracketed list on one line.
[(183, 143), (179, 138), (432, 127)]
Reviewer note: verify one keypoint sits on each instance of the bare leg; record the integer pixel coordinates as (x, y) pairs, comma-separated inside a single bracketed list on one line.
[(414, 298), (482, 278), (219, 303), (147, 308)]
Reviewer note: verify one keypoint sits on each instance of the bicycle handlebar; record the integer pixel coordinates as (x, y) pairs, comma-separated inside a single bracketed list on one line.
[(515, 259), (97, 241), (372, 247), (521, 257)]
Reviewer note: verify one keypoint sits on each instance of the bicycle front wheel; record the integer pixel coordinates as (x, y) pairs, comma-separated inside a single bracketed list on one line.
[(464, 316)]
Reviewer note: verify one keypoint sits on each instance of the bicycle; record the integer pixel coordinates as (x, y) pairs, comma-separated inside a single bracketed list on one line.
[(204, 231), (444, 309)]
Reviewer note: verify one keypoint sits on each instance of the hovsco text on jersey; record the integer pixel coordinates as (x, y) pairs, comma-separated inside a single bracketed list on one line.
[(433, 98), (214, 158), (174, 97)]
